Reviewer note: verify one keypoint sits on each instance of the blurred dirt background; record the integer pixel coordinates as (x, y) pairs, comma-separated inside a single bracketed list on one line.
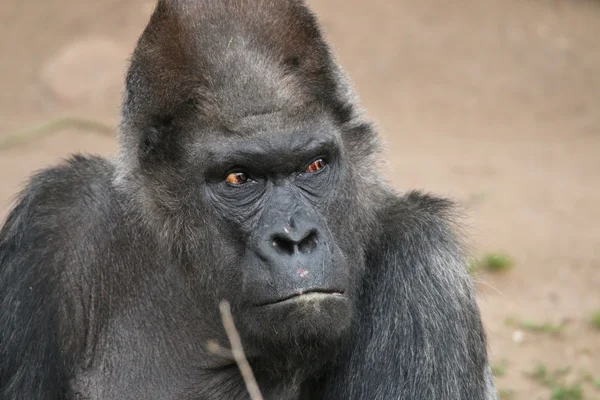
[(495, 103)]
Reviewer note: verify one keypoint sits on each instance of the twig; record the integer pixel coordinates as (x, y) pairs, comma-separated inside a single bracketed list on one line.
[(218, 350), (26, 136), (238, 351)]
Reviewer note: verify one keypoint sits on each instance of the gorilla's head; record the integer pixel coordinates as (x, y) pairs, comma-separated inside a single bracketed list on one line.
[(243, 146)]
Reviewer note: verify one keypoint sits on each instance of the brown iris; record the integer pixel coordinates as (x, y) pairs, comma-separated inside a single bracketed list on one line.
[(316, 165), (236, 178)]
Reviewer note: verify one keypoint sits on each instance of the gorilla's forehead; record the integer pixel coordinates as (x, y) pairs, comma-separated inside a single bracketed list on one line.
[(295, 121), (231, 59)]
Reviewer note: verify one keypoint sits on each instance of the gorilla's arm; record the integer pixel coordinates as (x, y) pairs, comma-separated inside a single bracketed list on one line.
[(420, 333), (40, 257), (29, 340)]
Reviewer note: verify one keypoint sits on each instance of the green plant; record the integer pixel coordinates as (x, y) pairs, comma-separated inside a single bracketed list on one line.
[(497, 262), (595, 319), (567, 393), (537, 327), (555, 381), (499, 369), (491, 262), (506, 394)]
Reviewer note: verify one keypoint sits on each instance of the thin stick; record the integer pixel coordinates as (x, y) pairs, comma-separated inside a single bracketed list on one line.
[(214, 348), (26, 136), (238, 351)]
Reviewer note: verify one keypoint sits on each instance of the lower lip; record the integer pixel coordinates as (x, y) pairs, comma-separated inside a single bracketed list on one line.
[(310, 296)]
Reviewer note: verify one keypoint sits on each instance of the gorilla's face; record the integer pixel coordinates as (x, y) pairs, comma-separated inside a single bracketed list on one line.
[(266, 209), (282, 202), (236, 155)]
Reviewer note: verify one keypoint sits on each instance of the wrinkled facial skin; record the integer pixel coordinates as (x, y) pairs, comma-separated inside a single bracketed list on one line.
[(279, 204)]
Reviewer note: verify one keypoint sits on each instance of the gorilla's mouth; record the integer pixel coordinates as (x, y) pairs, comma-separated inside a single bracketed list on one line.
[(305, 294)]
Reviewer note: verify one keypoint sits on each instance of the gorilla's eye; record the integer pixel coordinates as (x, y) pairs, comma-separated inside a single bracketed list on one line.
[(237, 178), (316, 165)]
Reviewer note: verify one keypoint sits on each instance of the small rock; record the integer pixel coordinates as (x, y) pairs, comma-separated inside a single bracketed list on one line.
[(518, 337), (86, 70)]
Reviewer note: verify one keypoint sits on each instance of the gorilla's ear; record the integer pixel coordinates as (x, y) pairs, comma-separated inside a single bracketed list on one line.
[(156, 143)]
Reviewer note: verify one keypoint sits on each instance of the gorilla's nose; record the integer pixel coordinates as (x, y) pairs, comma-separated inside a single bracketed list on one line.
[(288, 241)]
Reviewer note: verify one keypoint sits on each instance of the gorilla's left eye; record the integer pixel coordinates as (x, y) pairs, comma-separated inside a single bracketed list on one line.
[(316, 165)]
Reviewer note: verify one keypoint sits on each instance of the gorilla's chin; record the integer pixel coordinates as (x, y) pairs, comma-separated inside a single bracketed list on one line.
[(311, 318)]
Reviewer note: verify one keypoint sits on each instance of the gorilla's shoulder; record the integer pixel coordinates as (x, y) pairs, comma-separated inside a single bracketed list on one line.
[(427, 219), (70, 196), (422, 205), (84, 171), (429, 204)]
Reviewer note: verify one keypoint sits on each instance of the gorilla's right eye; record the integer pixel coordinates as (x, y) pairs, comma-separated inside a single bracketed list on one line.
[(236, 178), (316, 165)]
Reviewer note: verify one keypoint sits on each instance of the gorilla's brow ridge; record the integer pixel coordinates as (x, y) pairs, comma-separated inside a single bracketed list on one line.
[(252, 153)]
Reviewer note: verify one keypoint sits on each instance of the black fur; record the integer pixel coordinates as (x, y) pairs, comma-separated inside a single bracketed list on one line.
[(111, 272)]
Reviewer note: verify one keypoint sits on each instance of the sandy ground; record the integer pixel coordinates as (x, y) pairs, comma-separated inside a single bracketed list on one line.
[(493, 102)]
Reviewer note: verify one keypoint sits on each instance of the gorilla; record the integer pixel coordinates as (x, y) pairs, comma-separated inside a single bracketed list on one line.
[(247, 173)]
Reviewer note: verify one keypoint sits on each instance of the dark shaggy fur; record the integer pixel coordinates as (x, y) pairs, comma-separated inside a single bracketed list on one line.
[(111, 272)]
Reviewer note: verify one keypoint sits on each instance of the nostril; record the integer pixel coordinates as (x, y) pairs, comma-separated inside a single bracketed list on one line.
[(309, 243), (283, 244)]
